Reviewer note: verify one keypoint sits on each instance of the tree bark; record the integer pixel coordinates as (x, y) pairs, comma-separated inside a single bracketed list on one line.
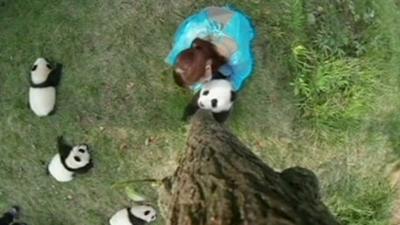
[(219, 181)]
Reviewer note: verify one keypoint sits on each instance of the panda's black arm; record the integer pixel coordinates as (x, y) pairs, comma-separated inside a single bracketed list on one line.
[(63, 148), (191, 108), (221, 117), (218, 76), (55, 75)]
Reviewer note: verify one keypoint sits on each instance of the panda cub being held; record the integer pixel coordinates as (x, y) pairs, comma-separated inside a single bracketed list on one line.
[(44, 79), (136, 215), (69, 160), (217, 96)]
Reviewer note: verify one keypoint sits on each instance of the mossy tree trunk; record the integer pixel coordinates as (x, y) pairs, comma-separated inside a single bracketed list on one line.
[(219, 181)]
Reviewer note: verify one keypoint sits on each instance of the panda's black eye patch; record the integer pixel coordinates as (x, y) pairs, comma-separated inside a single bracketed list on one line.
[(34, 67), (214, 103), (81, 150), (153, 217), (77, 159), (147, 212), (49, 66), (206, 92)]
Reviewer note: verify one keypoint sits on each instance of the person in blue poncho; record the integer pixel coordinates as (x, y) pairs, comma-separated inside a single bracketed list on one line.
[(216, 41)]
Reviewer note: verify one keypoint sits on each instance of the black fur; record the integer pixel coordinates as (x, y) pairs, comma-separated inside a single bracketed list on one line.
[(178, 79), (53, 79), (221, 116), (214, 103), (191, 108), (134, 220), (10, 216), (218, 76), (7, 218), (52, 112), (84, 169), (47, 171), (233, 96), (64, 149)]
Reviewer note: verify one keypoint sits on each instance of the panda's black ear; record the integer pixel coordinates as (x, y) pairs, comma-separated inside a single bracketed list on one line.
[(63, 148), (233, 96)]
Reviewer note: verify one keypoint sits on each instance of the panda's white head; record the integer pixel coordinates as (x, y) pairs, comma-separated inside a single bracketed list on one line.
[(78, 157), (40, 71), (144, 212), (216, 96)]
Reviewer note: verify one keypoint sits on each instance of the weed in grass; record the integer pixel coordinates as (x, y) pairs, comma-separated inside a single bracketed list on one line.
[(334, 93), (362, 202)]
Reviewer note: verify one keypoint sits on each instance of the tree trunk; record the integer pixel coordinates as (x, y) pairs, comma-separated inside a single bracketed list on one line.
[(219, 181)]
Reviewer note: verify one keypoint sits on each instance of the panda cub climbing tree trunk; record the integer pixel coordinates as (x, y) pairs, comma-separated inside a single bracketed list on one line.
[(220, 181)]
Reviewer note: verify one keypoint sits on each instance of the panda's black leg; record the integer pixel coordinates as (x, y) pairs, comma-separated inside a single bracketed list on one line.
[(9, 216), (52, 112), (221, 117), (6, 219), (47, 171)]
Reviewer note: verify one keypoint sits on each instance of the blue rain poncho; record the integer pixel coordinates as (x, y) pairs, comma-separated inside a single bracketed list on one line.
[(239, 28)]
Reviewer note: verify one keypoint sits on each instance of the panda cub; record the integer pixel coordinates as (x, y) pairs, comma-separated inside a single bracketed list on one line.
[(137, 215), (44, 79), (69, 160), (217, 96), (9, 217)]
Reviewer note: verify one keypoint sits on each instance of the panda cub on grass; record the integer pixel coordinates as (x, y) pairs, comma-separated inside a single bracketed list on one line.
[(137, 215), (10, 216), (69, 160), (217, 96), (44, 79)]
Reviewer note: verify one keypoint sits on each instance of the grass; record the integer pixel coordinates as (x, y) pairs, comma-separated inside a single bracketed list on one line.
[(118, 96)]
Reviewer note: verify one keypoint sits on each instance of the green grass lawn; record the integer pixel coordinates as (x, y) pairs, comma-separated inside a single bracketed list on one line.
[(341, 119)]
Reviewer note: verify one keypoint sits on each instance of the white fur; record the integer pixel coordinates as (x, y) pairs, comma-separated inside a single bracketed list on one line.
[(57, 168), (83, 156), (219, 89), (58, 171), (138, 211), (42, 100), (122, 217), (40, 74)]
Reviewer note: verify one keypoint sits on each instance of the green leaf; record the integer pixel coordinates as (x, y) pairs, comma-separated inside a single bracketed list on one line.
[(133, 195)]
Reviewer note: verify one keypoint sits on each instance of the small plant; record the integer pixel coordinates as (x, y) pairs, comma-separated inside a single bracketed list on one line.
[(333, 92), (363, 202)]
